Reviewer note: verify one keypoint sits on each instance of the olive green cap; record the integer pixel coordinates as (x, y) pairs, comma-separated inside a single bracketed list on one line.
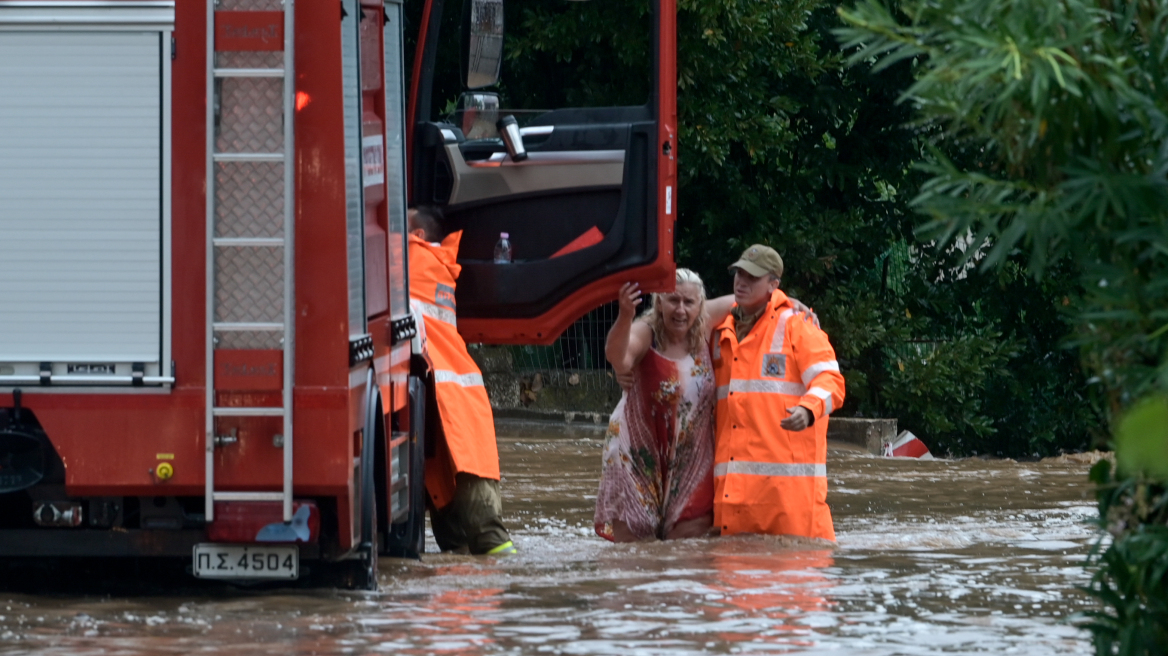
[(759, 260)]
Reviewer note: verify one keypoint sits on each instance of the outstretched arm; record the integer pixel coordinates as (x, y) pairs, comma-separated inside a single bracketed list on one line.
[(627, 340), (717, 309)]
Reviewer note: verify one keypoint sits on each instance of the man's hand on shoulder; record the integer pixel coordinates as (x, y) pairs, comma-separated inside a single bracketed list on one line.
[(800, 419)]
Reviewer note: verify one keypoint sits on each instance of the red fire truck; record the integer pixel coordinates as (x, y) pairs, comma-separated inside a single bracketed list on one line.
[(206, 343)]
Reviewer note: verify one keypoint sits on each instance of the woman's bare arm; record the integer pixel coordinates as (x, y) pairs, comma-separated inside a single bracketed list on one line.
[(717, 309), (628, 340)]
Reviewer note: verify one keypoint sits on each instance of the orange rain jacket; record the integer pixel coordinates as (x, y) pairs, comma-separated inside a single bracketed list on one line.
[(469, 428), (766, 479)]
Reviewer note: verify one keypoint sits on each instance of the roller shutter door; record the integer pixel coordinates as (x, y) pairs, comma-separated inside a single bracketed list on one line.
[(82, 215)]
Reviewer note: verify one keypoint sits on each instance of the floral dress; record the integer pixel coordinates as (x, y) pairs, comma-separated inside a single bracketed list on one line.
[(658, 464)]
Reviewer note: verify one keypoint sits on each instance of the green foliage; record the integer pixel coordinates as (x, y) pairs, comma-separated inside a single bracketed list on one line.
[(783, 144), (599, 53), (938, 384), (1131, 577), (732, 87), (1141, 439), (828, 200), (1133, 582), (590, 54), (952, 354), (1065, 105)]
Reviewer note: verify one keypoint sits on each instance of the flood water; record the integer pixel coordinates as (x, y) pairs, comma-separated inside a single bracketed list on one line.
[(955, 557)]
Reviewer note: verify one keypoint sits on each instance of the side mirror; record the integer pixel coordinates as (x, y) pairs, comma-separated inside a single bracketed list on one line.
[(512, 138), (477, 115), (482, 42)]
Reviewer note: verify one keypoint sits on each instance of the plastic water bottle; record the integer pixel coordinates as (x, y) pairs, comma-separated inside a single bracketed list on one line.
[(503, 249)]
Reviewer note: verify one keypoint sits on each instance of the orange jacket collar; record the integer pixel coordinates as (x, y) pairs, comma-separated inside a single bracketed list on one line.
[(778, 300)]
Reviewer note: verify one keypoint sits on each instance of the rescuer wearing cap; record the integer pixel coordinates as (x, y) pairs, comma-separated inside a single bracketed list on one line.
[(462, 474), (778, 381)]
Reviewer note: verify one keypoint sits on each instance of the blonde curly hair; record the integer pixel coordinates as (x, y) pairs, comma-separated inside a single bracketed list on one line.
[(696, 336)]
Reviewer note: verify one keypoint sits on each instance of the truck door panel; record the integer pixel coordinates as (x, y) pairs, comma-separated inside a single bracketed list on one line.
[(589, 208), (586, 176)]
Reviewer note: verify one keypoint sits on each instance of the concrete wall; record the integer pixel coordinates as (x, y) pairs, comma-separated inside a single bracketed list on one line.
[(868, 433)]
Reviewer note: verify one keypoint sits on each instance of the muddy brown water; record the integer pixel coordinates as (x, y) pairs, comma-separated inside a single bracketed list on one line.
[(954, 557)]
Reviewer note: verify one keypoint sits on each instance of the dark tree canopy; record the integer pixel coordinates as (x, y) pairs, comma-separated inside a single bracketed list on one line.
[(782, 143)]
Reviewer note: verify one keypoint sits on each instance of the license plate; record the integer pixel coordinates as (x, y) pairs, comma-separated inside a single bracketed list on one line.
[(237, 561)]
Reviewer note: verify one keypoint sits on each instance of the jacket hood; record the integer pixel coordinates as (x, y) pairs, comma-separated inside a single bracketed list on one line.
[(446, 253)]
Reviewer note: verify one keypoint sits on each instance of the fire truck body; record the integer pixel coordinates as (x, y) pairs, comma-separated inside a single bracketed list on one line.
[(205, 346)]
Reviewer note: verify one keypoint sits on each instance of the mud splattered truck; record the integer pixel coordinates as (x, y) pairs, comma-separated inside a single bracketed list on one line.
[(207, 351)]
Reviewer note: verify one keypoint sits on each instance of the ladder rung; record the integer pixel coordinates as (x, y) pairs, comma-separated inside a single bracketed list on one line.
[(258, 327), (249, 242), (249, 496), (249, 72), (248, 157), (248, 412)]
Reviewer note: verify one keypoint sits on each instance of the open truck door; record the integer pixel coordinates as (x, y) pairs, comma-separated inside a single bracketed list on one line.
[(587, 195)]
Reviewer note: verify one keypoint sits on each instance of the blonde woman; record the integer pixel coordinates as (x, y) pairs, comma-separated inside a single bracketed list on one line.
[(657, 480)]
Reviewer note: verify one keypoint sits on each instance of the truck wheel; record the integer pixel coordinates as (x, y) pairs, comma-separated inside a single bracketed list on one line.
[(407, 539)]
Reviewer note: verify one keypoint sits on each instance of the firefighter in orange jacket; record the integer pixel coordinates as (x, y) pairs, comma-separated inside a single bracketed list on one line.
[(462, 475), (778, 381)]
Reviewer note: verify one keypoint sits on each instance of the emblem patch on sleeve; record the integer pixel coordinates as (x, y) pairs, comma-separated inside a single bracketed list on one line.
[(774, 365)]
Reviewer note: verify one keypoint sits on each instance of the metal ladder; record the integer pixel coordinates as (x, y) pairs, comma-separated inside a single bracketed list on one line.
[(226, 247)]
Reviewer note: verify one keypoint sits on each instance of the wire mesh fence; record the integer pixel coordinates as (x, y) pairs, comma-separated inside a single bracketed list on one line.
[(581, 346), (579, 349)]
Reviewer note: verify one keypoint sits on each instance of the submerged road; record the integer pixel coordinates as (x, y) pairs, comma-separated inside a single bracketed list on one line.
[(954, 557)]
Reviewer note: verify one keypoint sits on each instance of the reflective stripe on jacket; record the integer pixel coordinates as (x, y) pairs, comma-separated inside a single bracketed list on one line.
[(767, 479), (463, 406)]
